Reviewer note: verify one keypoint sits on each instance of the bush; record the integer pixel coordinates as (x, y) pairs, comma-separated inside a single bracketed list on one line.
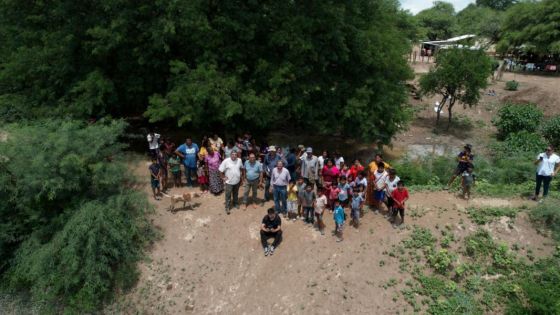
[(512, 85), (72, 229), (547, 213), (551, 131), (517, 117), (517, 143)]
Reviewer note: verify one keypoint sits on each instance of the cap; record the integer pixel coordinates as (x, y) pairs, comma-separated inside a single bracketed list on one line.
[(272, 148), (309, 150)]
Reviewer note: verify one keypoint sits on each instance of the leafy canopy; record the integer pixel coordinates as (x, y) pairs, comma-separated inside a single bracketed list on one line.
[(459, 75), (438, 22), (500, 5), (71, 229), (481, 20)]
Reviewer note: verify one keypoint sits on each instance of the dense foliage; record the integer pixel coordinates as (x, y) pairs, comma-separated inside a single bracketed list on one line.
[(551, 131), (71, 226), (459, 75), (438, 22), (480, 20), (532, 26), (513, 118), (239, 65)]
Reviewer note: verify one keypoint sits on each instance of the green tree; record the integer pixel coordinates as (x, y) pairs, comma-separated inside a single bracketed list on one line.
[(500, 5), (532, 26), (459, 75), (71, 226), (439, 21), (482, 21)]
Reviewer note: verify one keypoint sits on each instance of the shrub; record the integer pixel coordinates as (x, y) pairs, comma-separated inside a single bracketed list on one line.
[(547, 213), (551, 131), (441, 261), (485, 215), (521, 142), (512, 85), (479, 244), (72, 229), (517, 117)]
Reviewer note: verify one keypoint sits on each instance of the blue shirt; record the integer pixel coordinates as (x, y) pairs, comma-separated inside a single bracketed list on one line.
[(190, 153), (270, 163), (356, 201), (343, 194), (291, 162), (253, 171), (338, 215)]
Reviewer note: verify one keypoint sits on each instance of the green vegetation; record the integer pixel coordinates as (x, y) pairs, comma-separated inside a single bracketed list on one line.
[(227, 65), (488, 214), (551, 131), (512, 85), (72, 227), (517, 117), (547, 214), (522, 143), (459, 75), (437, 22)]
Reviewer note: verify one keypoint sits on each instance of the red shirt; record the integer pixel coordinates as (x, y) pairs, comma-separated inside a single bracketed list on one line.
[(355, 170), (399, 195)]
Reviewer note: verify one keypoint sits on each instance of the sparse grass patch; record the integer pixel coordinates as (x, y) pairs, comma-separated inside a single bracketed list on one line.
[(485, 215)]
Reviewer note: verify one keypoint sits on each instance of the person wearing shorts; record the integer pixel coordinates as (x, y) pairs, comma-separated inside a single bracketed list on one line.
[(379, 178)]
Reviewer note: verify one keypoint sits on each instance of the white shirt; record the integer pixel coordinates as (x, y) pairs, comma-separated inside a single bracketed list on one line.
[(232, 170), (380, 179), (337, 161), (153, 142), (280, 178), (321, 160), (546, 166), (391, 184)]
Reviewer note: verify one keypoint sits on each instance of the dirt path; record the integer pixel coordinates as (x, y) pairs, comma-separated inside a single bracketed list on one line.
[(211, 263)]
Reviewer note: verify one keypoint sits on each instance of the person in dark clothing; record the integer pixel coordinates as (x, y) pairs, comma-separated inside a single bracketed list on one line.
[(271, 228)]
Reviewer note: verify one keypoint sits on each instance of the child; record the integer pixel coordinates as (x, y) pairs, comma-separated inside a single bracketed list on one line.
[(345, 171), (308, 202), (175, 165), (300, 190), (343, 189), (390, 185), (468, 180), (333, 194), (357, 205), (202, 178), (292, 200), (339, 218), (400, 196), (320, 205), (155, 176), (379, 185)]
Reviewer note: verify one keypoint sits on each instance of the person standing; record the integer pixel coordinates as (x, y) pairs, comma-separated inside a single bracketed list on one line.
[(321, 163), (155, 177), (231, 175), (279, 179), (271, 227), (309, 167), (329, 174), (252, 179), (372, 168), (213, 161), (153, 142), (291, 162), (270, 161), (188, 151), (465, 159), (548, 165), (216, 143)]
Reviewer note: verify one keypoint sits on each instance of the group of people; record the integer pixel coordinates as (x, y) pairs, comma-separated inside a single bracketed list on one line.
[(302, 185)]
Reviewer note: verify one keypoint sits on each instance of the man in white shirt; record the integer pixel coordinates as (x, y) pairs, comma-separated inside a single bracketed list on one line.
[(231, 175), (391, 182), (153, 142), (279, 179), (548, 164)]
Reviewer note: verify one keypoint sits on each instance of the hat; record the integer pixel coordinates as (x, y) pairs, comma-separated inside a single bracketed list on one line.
[(301, 146), (272, 148), (309, 150)]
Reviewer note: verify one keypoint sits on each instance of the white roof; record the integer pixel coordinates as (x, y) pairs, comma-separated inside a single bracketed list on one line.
[(449, 41)]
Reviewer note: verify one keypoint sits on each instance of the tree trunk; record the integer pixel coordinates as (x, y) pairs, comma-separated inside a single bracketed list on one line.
[(440, 107), (449, 110)]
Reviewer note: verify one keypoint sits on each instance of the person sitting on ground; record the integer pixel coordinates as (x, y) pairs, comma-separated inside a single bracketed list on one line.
[(339, 218), (467, 182), (271, 227), (357, 204), (465, 158), (155, 176), (320, 206), (548, 165), (400, 196)]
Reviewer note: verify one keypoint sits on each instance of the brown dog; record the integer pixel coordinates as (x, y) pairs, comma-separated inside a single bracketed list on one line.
[(186, 198)]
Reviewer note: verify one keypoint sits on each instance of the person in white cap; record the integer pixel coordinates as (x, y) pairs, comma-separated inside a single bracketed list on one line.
[(309, 167), (270, 161)]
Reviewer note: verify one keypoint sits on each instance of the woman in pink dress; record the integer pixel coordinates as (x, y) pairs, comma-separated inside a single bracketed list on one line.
[(213, 160), (330, 174)]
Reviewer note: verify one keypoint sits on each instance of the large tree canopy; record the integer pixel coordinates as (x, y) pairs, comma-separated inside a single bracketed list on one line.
[(481, 20), (438, 22), (496, 4), (201, 63), (535, 26)]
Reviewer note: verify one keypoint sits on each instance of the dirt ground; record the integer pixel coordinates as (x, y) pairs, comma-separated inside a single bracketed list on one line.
[(210, 263)]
